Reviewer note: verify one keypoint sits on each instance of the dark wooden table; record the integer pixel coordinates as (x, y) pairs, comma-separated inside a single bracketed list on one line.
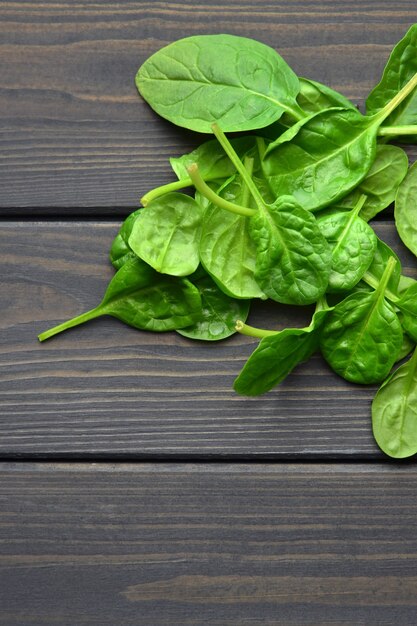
[(135, 487)]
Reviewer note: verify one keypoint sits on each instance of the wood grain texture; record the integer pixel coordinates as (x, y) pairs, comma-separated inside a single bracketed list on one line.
[(107, 390), (219, 544), (74, 132)]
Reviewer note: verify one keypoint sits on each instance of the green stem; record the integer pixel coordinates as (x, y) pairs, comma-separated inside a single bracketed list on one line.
[(228, 148), (321, 304), (160, 191), (353, 214), (381, 285), (75, 321), (396, 100), (251, 331), (213, 197), (394, 131), (260, 144), (373, 282), (245, 197)]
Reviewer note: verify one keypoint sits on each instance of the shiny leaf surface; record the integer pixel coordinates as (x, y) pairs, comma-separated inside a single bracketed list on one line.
[(219, 312), (237, 82), (277, 355), (292, 256), (394, 412), (321, 159), (166, 234)]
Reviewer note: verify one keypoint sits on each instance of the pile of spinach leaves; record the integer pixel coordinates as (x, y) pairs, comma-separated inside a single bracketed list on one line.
[(280, 211)]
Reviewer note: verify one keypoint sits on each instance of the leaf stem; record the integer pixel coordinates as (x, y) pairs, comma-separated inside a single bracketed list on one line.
[(213, 197), (228, 148), (396, 100), (352, 216), (373, 282), (251, 331), (260, 144), (163, 189), (394, 131), (245, 197), (75, 321), (381, 285)]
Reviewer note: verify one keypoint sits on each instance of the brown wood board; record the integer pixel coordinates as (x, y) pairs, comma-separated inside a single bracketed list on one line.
[(74, 134), (180, 544)]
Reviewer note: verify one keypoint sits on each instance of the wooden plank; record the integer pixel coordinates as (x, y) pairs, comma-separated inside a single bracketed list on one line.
[(74, 132), (107, 390), (168, 544)]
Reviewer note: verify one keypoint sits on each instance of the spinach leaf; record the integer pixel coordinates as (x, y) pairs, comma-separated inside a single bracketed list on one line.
[(319, 160), (407, 304), (404, 283), (277, 355), (362, 335), (219, 314), (323, 157), (409, 324), (375, 271), (213, 163), (315, 97), (405, 210), (408, 346), (292, 255), (142, 298), (400, 68), (120, 251), (227, 251), (381, 182), (240, 83), (166, 234), (394, 412), (353, 243)]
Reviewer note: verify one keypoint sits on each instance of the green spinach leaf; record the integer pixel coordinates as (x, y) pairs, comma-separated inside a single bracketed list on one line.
[(322, 158), (400, 68), (227, 250), (142, 298), (353, 243), (277, 355), (381, 182), (319, 160), (292, 255), (407, 304), (213, 163), (166, 234), (240, 83), (405, 210), (362, 336), (219, 314), (120, 251), (375, 271), (315, 97), (394, 412)]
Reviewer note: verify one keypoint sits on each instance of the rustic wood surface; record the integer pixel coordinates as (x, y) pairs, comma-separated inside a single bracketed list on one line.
[(328, 539), (168, 544), (74, 132), (105, 389)]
